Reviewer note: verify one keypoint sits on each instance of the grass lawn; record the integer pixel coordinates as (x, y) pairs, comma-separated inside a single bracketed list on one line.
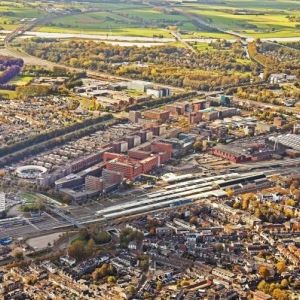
[(29, 197), (21, 80), (203, 47), (8, 94), (78, 238), (124, 31), (206, 35)]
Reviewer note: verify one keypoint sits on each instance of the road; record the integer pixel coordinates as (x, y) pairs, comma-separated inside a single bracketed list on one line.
[(178, 37), (135, 40)]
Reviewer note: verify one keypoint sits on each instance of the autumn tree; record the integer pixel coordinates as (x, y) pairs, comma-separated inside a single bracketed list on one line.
[(278, 294), (263, 286), (284, 283), (90, 247), (281, 266), (229, 192), (103, 271), (263, 271), (77, 250), (18, 253), (198, 146)]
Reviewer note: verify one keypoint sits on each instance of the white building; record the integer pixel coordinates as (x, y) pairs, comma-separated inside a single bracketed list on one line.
[(2, 203), (158, 92)]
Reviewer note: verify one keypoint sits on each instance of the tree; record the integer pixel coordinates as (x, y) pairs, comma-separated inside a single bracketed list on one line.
[(104, 270), (297, 195), (90, 247), (77, 250), (31, 280), (237, 204), (278, 294), (194, 220), (18, 253), (159, 285), (229, 192), (84, 234), (127, 235), (264, 271), (284, 283), (152, 231), (263, 286), (291, 202), (144, 262), (111, 279), (130, 290), (102, 237), (198, 146), (245, 203), (258, 213), (281, 266)]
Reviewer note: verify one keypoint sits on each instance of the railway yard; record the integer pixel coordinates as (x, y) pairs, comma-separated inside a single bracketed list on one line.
[(171, 193)]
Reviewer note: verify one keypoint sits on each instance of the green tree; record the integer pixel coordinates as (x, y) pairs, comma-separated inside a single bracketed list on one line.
[(111, 279), (102, 237)]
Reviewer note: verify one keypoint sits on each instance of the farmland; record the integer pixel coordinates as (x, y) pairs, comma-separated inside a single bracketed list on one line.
[(126, 19), (257, 19), (12, 14)]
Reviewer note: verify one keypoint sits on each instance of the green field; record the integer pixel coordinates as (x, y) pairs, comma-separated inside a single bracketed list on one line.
[(121, 20), (134, 32), (252, 18), (263, 18)]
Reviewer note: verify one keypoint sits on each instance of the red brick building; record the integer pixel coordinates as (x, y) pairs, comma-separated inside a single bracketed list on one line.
[(138, 154), (94, 183), (150, 163), (230, 153), (129, 168), (161, 116), (158, 147)]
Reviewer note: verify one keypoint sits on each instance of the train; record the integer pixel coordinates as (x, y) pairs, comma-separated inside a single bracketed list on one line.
[(181, 202)]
